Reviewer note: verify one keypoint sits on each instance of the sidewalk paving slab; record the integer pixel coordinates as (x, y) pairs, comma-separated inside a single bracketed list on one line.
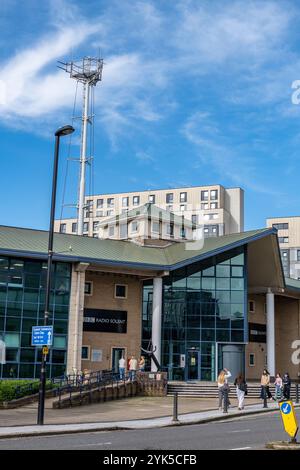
[(185, 419)]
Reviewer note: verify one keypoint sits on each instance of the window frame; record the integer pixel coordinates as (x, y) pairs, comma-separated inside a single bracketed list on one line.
[(89, 294), (251, 355), (89, 352), (115, 291)]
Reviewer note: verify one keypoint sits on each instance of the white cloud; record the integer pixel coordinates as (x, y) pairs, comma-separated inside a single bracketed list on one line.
[(215, 150)]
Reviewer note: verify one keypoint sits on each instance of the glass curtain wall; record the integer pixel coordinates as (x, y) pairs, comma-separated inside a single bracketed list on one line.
[(203, 304), (22, 304)]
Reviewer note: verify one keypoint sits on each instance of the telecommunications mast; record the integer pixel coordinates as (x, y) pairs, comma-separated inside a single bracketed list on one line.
[(87, 71)]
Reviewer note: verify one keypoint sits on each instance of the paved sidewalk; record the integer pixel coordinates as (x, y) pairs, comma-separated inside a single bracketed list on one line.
[(184, 419), (124, 409)]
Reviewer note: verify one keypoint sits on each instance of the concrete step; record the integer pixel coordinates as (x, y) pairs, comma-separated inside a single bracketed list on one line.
[(210, 390)]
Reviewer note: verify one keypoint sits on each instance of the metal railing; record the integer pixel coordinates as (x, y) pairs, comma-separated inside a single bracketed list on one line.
[(80, 384)]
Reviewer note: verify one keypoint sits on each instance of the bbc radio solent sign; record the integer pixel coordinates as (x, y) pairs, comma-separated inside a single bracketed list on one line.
[(107, 321)]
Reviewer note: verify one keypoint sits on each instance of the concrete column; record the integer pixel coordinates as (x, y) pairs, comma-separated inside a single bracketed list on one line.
[(76, 318), (156, 319), (271, 332)]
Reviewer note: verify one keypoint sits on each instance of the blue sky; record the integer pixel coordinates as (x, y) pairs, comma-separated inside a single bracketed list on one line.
[(194, 92)]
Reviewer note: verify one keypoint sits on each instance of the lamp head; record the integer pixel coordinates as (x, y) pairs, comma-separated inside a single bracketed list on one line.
[(65, 130)]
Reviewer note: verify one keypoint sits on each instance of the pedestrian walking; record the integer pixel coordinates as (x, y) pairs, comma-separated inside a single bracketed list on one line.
[(122, 363), (142, 364), (278, 387), (223, 387), (133, 365), (241, 390), (265, 385), (286, 386)]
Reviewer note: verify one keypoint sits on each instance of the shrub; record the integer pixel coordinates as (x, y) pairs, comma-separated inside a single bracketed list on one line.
[(13, 389)]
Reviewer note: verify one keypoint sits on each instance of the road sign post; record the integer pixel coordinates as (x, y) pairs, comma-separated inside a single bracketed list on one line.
[(42, 336), (289, 419)]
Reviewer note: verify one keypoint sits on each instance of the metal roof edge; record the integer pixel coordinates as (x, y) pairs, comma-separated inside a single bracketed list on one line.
[(216, 251)]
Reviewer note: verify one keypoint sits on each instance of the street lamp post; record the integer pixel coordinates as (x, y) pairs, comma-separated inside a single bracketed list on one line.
[(62, 131)]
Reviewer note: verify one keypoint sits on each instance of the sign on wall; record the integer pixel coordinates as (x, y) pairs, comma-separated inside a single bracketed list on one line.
[(106, 321), (257, 333)]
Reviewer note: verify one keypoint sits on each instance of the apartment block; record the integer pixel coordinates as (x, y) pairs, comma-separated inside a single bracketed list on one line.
[(218, 209), (289, 242)]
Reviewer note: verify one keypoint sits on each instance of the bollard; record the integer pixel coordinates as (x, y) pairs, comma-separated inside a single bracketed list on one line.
[(225, 398), (297, 393), (175, 408), (265, 398)]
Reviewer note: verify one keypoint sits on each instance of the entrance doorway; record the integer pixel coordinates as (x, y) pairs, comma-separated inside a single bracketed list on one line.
[(117, 353), (192, 365), (232, 357)]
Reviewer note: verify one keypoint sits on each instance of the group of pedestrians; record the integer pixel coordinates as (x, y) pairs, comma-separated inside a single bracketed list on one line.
[(223, 388), (282, 386), (133, 366)]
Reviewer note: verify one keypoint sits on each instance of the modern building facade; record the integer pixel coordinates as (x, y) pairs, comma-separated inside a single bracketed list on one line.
[(225, 304), (220, 210), (289, 242)]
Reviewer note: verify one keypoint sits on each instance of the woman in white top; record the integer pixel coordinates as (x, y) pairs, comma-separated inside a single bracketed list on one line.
[(223, 385)]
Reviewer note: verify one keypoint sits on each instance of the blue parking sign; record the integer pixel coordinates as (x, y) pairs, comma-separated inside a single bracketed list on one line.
[(42, 336)]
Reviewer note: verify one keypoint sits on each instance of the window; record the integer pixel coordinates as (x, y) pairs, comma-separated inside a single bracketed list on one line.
[(214, 194), (183, 197), (151, 199), (155, 227), (251, 306), (298, 255), (63, 228), (110, 202), (109, 212), (251, 359), (211, 230), (283, 239), (100, 213), (194, 219), (100, 203), (169, 208), (120, 291), (88, 288), (169, 198), (204, 195), (204, 206), (182, 207), (85, 353), (123, 231), (96, 355), (86, 227), (74, 227), (95, 226), (125, 201), (282, 226), (134, 226), (111, 230), (90, 204), (214, 205), (170, 230), (136, 200), (210, 216)]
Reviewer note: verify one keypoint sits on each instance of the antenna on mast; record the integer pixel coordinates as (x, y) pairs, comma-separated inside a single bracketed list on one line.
[(87, 71)]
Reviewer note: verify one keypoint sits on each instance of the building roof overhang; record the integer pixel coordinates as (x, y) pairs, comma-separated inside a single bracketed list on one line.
[(264, 262)]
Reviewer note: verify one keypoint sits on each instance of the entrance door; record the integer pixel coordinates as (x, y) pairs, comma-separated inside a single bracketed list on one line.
[(193, 365), (232, 357), (117, 353)]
